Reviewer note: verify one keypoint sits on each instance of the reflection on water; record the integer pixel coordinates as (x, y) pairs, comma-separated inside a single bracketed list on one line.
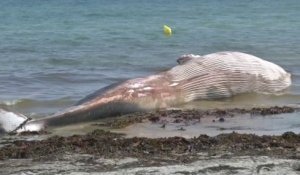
[(248, 124)]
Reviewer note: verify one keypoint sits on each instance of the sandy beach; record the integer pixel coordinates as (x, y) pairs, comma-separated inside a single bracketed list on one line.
[(106, 145)]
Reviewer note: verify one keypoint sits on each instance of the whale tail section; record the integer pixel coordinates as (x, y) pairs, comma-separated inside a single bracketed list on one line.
[(10, 121), (14, 122)]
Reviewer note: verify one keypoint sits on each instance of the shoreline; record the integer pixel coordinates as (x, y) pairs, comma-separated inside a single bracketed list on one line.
[(109, 152), (110, 144)]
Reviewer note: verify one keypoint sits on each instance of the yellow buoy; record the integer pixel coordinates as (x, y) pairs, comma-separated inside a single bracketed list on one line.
[(167, 30)]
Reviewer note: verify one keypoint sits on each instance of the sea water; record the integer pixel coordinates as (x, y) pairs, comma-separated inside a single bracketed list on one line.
[(53, 53)]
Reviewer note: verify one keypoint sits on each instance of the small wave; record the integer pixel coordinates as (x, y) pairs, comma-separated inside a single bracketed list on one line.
[(16, 49), (63, 61), (10, 102), (93, 15), (20, 102)]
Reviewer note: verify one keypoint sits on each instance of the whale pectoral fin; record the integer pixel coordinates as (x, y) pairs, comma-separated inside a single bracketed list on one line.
[(11, 121)]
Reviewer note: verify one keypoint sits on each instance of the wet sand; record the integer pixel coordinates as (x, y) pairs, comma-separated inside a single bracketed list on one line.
[(162, 151)]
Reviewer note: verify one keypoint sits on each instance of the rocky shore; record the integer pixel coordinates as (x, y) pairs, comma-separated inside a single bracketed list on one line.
[(172, 150)]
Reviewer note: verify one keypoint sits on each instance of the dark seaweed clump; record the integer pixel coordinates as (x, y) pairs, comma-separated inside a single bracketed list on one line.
[(110, 145)]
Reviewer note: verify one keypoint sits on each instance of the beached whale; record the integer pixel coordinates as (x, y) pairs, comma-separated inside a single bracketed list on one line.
[(212, 76)]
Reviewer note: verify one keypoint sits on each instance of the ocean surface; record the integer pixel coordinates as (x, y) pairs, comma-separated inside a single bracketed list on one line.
[(53, 53)]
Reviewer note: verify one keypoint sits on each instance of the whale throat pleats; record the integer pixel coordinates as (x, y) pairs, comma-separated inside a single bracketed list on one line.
[(225, 74)]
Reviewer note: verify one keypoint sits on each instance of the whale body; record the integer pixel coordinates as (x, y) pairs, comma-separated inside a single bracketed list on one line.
[(212, 76)]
